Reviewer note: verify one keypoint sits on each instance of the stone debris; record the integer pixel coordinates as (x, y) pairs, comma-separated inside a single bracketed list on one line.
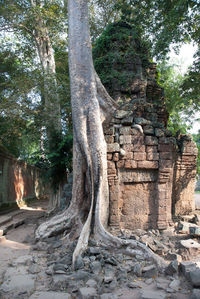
[(50, 295)]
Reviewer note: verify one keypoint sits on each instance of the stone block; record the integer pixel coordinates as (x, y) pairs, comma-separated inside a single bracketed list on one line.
[(195, 294), (148, 164), (130, 164), (109, 156), (116, 157), (151, 149), (125, 139), (109, 139), (185, 267), (50, 295), (113, 147), (87, 293), (151, 140), (138, 139), (109, 131), (120, 164), (138, 148), (128, 147), (147, 294), (166, 155), (111, 172), (111, 165), (165, 163), (122, 113), (159, 132), (148, 130), (127, 156), (153, 156), (167, 140), (125, 130), (194, 277), (139, 156), (141, 121), (165, 148)]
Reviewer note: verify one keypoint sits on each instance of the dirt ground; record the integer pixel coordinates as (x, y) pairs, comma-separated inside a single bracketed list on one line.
[(17, 242)]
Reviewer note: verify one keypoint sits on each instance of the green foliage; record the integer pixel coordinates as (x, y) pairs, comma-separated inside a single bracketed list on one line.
[(181, 106), (118, 45)]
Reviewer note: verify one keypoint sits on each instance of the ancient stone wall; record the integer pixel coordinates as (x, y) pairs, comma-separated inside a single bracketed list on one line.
[(151, 174), (18, 181)]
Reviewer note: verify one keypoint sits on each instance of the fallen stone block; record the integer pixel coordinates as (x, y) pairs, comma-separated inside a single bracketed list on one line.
[(50, 295), (195, 294), (195, 231), (194, 277), (190, 243), (172, 268), (87, 293), (19, 283), (153, 295)]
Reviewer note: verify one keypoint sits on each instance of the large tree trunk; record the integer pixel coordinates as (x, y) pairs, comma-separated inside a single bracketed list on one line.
[(91, 105), (52, 110)]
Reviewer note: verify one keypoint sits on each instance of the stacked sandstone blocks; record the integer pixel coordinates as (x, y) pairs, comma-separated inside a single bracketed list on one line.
[(150, 173)]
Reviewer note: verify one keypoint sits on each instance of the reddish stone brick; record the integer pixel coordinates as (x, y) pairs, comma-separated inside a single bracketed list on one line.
[(111, 172), (139, 156), (109, 156), (113, 147), (151, 149), (120, 164), (165, 163), (151, 140), (152, 156), (138, 148), (128, 147), (115, 157), (130, 164), (127, 156), (165, 148), (111, 165), (109, 139), (166, 155), (125, 139), (148, 164)]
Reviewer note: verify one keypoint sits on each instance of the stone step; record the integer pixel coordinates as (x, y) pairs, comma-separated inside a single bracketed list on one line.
[(8, 217), (11, 224)]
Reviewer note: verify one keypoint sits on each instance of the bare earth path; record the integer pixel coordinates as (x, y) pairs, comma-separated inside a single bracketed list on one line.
[(16, 242)]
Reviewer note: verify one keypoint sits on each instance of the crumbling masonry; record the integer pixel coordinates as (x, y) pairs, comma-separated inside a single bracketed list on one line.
[(151, 174)]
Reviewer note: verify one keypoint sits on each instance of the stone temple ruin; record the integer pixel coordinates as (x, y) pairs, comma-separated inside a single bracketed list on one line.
[(151, 174)]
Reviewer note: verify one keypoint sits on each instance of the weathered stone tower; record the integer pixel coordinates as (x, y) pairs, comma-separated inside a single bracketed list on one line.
[(151, 174)]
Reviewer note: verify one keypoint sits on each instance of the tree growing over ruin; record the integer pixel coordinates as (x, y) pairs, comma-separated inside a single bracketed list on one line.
[(91, 106)]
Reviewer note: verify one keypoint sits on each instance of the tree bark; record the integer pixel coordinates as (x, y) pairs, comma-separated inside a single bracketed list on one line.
[(91, 105)]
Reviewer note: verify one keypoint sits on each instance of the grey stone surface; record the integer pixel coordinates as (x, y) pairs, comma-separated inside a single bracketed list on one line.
[(172, 268), (175, 284), (195, 294), (23, 260), (150, 271), (87, 293), (194, 277), (185, 267), (96, 267), (22, 283), (91, 283), (153, 295), (50, 295), (108, 296)]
